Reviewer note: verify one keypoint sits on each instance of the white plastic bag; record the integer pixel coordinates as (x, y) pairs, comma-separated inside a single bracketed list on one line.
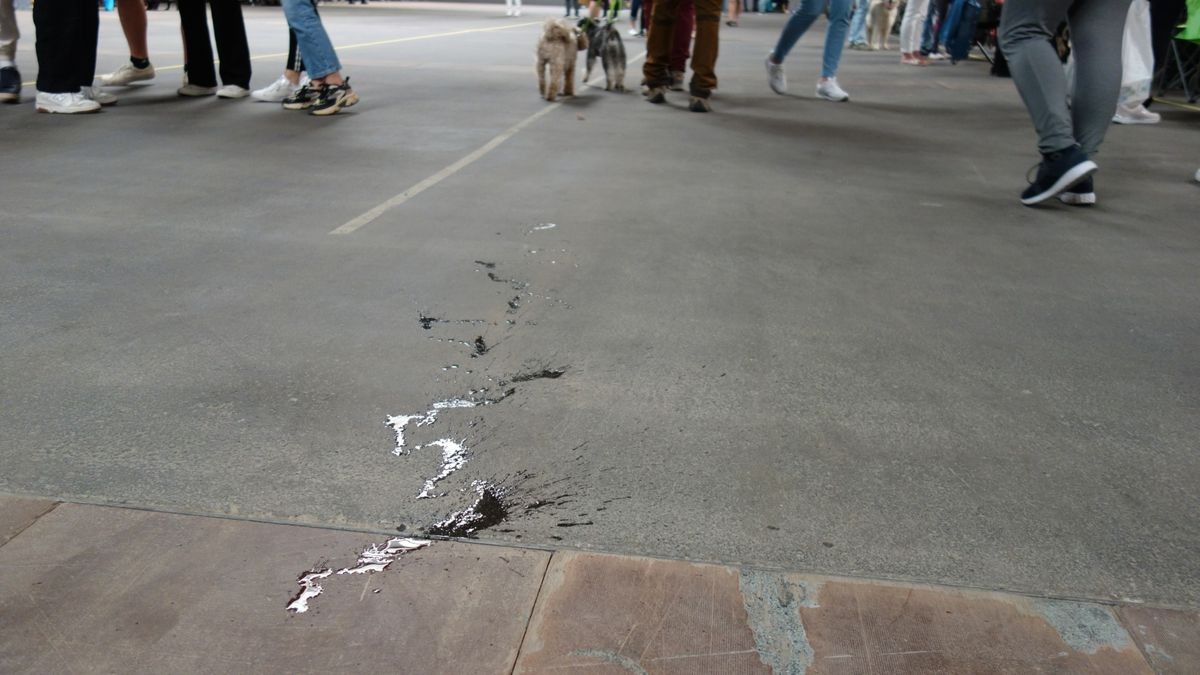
[(1137, 56)]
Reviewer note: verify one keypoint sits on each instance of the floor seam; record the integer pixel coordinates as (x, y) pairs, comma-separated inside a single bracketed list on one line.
[(1133, 636), (532, 611), (30, 524)]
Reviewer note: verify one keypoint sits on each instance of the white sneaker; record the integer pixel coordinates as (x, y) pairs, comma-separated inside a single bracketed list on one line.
[(97, 95), (830, 91), (126, 74), (232, 91), (189, 89), (517, 13), (508, 13), (1136, 115), (277, 90), (1197, 176), (775, 76), (68, 103)]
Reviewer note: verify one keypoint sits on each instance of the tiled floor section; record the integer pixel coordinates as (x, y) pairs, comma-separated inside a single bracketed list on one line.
[(1170, 639), (619, 614), (97, 590)]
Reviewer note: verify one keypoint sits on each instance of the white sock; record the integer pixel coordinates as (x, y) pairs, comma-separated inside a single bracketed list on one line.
[(5, 63)]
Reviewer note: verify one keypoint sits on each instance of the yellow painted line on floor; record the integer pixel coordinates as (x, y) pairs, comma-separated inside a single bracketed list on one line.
[(353, 225), (1185, 106), (360, 45)]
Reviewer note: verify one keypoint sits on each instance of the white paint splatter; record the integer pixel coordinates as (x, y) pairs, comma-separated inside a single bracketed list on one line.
[(398, 422), (454, 403), (543, 226), (454, 457), (311, 589), (376, 559), (373, 559)]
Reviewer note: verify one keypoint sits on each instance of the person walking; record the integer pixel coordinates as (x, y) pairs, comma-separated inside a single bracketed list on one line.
[(835, 38), (290, 81), (1068, 136), (911, 32), (200, 79), (858, 25), (327, 92), (659, 43), (10, 78)]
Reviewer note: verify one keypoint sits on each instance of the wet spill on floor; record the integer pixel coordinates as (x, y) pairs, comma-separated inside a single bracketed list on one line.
[(488, 510), (454, 457)]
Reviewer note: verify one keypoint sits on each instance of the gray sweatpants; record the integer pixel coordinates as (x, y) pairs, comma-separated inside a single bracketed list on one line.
[(8, 32), (1026, 32)]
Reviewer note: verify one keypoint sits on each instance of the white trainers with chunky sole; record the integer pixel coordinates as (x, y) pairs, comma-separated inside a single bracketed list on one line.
[(71, 103), (232, 91), (98, 95), (126, 74), (830, 91)]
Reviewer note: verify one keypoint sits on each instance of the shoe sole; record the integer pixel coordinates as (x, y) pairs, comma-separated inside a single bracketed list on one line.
[(123, 83), (831, 98), (1078, 198), (656, 97), (1130, 120), (196, 95), (345, 102), (231, 97), (67, 112), (10, 98), (1066, 181)]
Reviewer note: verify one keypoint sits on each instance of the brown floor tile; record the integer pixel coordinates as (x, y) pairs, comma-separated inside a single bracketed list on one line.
[(96, 590), (1170, 639), (18, 513), (864, 627), (617, 614)]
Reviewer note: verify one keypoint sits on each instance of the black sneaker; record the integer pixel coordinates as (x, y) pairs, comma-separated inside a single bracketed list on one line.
[(1082, 193), (699, 104), (333, 98), (1058, 171), (303, 99), (10, 84)]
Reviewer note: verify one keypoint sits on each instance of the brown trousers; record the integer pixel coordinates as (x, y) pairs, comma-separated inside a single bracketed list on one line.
[(704, 54)]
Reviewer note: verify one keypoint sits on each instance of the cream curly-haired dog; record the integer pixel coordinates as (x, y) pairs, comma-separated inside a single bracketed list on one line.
[(556, 50)]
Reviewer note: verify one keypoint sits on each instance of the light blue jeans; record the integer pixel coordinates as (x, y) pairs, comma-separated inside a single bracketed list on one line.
[(858, 25), (302, 18), (835, 36)]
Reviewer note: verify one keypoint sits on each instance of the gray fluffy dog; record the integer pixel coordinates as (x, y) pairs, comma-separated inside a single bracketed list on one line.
[(556, 51), (605, 41)]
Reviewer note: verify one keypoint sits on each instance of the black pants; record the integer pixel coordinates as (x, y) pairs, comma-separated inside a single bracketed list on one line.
[(1165, 16), (232, 47), (294, 60), (67, 33), (572, 3)]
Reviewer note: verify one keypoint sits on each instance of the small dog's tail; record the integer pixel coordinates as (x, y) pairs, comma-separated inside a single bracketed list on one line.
[(558, 30)]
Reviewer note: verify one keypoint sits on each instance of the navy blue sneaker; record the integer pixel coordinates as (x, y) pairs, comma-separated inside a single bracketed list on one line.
[(1058, 171), (1082, 193), (10, 84)]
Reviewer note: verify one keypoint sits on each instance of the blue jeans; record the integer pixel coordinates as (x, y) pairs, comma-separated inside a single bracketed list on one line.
[(835, 36), (319, 58), (858, 25)]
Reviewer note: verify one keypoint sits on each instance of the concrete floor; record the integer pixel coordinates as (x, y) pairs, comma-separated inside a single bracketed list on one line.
[(797, 334)]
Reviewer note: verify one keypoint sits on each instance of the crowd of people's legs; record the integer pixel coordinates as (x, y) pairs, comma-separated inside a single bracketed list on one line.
[(67, 33), (1070, 117)]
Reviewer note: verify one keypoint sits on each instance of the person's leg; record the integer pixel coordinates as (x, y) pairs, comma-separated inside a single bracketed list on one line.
[(197, 48), (319, 58), (911, 26), (656, 69), (229, 29), (1096, 25), (647, 15), (685, 22), (87, 42), (835, 37), (57, 25), (858, 24), (704, 55), (1026, 34), (133, 24), (1164, 17), (735, 11), (798, 23), (9, 34)]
